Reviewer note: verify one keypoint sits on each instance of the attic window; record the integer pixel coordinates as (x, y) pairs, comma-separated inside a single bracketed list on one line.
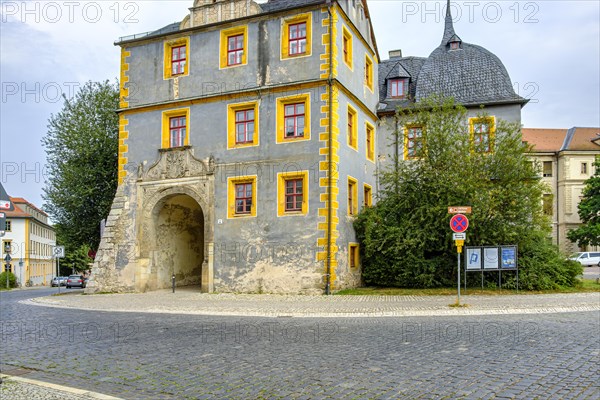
[(454, 45), (398, 87)]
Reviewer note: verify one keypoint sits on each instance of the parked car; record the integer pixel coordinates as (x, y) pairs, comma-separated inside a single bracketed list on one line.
[(75, 281), (59, 280), (587, 258)]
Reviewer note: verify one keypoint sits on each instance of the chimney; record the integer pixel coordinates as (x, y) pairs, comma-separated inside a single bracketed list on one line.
[(395, 53)]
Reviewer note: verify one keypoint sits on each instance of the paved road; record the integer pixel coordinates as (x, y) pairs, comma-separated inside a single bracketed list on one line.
[(164, 356)]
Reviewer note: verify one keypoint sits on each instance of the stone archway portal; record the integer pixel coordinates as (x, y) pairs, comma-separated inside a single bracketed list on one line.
[(180, 243)]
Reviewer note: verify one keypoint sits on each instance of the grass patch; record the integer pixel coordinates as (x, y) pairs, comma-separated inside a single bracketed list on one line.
[(587, 286), (457, 305)]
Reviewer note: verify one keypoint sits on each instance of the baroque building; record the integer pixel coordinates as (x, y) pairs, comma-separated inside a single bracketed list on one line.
[(247, 145), (566, 158)]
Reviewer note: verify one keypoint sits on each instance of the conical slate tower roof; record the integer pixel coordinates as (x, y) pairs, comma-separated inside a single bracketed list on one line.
[(467, 72)]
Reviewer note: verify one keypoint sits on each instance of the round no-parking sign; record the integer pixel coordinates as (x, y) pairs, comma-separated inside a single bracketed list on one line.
[(459, 223)]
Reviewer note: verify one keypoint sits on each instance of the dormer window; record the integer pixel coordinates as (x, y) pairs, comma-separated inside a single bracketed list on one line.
[(398, 87), (454, 45)]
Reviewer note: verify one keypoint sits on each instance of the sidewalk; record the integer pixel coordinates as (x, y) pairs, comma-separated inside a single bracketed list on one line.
[(191, 302), (18, 388)]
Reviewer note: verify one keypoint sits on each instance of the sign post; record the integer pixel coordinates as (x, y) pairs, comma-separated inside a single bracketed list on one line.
[(459, 224), (7, 259), (58, 252)]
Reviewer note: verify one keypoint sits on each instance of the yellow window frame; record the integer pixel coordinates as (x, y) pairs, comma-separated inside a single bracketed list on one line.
[(370, 145), (281, 103), (347, 37), (406, 128), (231, 133), (353, 251), (282, 177), (352, 137), (168, 54), (367, 195), (231, 182), (352, 189), (285, 34), (369, 72), (166, 134), (225, 35), (491, 121)]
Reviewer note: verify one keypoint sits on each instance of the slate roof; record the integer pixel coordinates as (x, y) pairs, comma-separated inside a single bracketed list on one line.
[(270, 6), (279, 5), (174, 27), (472, 75), (398, 67)]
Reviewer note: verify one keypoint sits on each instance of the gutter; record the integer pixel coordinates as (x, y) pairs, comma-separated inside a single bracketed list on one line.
[(330, 152)]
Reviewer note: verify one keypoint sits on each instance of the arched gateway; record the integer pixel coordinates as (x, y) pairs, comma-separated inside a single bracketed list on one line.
[(163, 227)]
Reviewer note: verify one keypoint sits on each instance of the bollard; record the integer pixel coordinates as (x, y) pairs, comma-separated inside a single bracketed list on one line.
[(173, 282)]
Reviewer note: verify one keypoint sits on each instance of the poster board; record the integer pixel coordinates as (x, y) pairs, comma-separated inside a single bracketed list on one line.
[(491, 258)]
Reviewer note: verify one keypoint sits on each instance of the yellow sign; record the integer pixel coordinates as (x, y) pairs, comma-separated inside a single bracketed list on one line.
[(459, 249), (459, 243)]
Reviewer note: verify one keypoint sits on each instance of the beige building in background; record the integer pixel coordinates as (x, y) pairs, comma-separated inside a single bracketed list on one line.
[(29, 239), (566, 157)]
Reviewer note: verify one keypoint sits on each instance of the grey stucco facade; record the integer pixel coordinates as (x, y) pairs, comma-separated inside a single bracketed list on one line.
[(177, 209)]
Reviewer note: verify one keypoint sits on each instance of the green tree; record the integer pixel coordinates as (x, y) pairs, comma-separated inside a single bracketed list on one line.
[(82, 151), (406, 239), (589, 212), (77, 259)]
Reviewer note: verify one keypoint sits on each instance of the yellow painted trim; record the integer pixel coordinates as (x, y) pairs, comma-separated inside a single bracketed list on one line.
[(231, 182), (225, 34), (231, 133), (282, 177), (285, 26), (328, 64), (329, 198), (406, 156), (367, 195), (370, 149), (352, 137), (347, 57), (491, 120), (124, 90), (354, 249), (281, 103), (352, 186), (168, 57), (357, 33), (123, 148), (165, 136), (233, 96), (369, 72)]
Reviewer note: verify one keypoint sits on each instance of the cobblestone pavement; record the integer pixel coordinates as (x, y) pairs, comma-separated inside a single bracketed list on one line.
[(168, 356)]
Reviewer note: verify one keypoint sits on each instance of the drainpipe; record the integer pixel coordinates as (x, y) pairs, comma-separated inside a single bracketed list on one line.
[(557, 204), (330, 151)]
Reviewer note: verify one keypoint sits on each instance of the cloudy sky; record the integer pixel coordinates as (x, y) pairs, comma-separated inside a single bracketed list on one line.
[(550, 48)]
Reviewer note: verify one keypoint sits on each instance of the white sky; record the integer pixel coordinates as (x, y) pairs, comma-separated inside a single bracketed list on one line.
[(551, 50)]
